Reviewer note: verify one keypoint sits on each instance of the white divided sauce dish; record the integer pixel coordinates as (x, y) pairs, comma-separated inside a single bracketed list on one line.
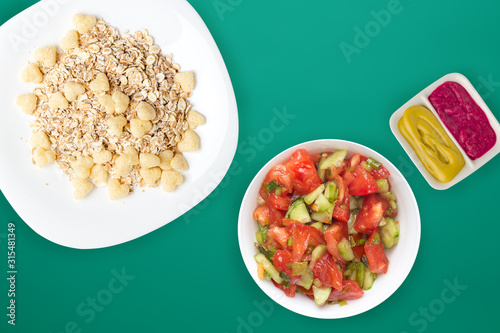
[(422, 99)]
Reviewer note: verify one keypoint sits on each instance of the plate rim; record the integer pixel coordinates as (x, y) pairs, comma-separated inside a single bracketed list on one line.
[(227, 149)]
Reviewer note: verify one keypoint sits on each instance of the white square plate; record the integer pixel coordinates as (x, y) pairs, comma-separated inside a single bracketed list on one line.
[(422, 99), (43, 197)]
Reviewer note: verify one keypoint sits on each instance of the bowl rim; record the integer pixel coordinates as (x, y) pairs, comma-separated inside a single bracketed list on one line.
[(277, 295)]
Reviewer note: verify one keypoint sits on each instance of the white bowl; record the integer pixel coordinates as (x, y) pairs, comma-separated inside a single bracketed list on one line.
[(401, 257)]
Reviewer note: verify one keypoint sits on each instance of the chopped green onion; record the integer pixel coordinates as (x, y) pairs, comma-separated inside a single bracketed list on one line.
[(271, 186), (286, 279), (342, 303), (263, 228), (264, 251), (351, 241), (290, 241), (278, 191), (361, 241), (365, 165), (365, 261), (373, 163)]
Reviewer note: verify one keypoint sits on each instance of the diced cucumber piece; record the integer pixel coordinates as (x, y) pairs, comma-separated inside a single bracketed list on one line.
[(345, 250), (393, 204), (306, 280), (322, 203), (268, 267), (316, 254), (322, 172), (382, 222), (261, 236), (321, 294), (350, 222), (389, 232), (317, 225), (331, 191), (368, 279), (352, 271), (360, 273), (383, 185), (389, 196), (334, 159), (309, 198), (322, 217), (298, 211), (299, 268), (329, 210), (354, 202)]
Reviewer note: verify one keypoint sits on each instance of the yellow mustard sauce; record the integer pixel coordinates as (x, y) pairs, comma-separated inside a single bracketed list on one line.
[(435, 149)]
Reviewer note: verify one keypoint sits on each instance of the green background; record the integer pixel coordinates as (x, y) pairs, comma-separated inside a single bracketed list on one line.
[(189, 275)]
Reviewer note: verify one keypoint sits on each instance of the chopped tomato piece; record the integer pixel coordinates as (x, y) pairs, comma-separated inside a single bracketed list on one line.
[(380, 173), (305, 175), (290, 291), (280, 235), (332, 172), (279, 178), (337, 230), (327, 272), (374, 251), (303, 236), (287, 221), (267, 214), (370, 214), (359, 251), (363, 183), (341, 210), (354, 161), (386, 207), (282, 176), (350, 290), (282, 261), (315, 158)]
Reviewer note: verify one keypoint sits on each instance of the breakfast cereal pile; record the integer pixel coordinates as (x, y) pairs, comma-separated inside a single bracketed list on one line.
[(111, 110)]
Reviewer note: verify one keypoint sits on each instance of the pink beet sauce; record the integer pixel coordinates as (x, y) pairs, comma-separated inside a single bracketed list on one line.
[(466, 121)]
